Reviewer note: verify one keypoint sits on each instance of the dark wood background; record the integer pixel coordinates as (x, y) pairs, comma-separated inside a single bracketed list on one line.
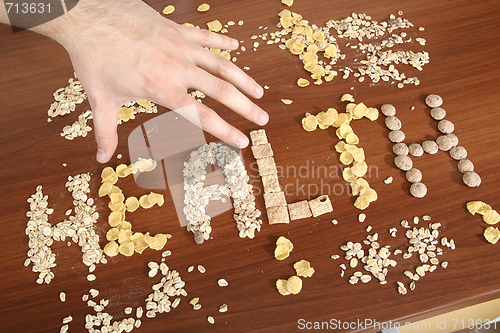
[(462, 39)]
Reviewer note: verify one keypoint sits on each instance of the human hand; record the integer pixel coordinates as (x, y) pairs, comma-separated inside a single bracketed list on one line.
[(125, 50)]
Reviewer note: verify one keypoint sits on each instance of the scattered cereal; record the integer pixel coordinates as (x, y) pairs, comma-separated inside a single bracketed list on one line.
[(168, 10), (303, 268), (203, 7)]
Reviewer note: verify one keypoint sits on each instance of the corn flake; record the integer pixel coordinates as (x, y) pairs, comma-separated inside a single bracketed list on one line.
[(214, 26), (132, 203), (124, 236), (124, 225), (203, 7), (123, 170), (125, 113), (119, 207), (303, 268), (294, 285), (287, 2), (157, 242), (372, 114), (105, 189), (144, 201), (115, 218), (302, 82), (309, 123), (126, 248), (347, 98), (352, 138), (492, 235), (281, 286), (285, 242), (107, 173), (116, 198), (139, 243), (112, 234), (286, 101), (281, 252), (346, 157), (491, 217), (362, 202), (111, 249)]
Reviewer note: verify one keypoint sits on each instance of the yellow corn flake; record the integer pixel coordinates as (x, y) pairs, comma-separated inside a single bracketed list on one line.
[(124, 225), (143, 102), (124, 236), (125, 114), (119, 207), (157, 242), (346, 157), (309, 123), (281, 252), (358, 154), (287, 2), (303, 268), (143, 165), (112, 234), (286, 101), (115, 189), (348, 175), (359, 111), (187, 24), (331, 51), (340, 147), (302, 82), (144, 201), (310, 58), (491, 217), (359, 169), (294, 285), (281, 286), (115, 218), (132, 203), (139, 243), (111, 249), (203, 7), (156, 198), (344, 130), (285, 242), (126, 248), (226, 54), (123, 170), (369, 193), (362, 202), (479, 207), (342, 118), (327, 118), (347, 98), (358, 185), (372, 114), (107, 173), (168, 10), (214, 26), (352, 138), (105, 189), (116, 198), (492, 235)]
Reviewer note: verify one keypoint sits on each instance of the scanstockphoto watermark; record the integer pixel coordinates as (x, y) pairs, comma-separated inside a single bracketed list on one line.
[(310, 180), (424, 326)]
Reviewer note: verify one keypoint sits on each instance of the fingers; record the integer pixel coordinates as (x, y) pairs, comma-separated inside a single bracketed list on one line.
[(105, 122), (223, 68), (228, 95), (210, 121), (207, 38)]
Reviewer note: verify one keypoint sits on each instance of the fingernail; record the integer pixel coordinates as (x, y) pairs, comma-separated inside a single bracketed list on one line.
[(259, 91), (101, 156), (264, 118), (243, 142), (235, 43)]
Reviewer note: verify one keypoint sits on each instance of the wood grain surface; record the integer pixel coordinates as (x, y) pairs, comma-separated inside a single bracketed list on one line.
[(462, 40)]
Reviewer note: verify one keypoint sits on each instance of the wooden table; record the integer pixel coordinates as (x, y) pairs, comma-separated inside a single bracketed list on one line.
[(462, 42)]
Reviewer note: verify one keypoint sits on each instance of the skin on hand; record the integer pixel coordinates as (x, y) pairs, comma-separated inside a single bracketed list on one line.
[(125, 50)]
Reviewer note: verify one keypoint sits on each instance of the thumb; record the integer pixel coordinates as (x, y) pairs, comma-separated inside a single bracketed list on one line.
[(105, 121)]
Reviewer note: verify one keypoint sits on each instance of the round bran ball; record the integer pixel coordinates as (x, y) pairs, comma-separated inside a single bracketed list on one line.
[(458, 153), (400, 148), (393, 123), (433, 101), (388, 110), (430, 147), (403, 162), (438, 113), (465, 165), (416, 149), (418, 190), (414, 175), (396, 136), (444, 143), (446, 126), (453, 138), (471, 179)]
